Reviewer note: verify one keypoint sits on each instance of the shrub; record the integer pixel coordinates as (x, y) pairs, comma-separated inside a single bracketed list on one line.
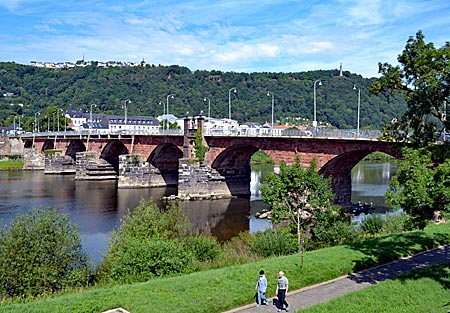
[(40, 253), (147, 220), (140, 260), (146, 234), (203, 248), (270, 242), (372, 225), (331, 234), (395, 223)]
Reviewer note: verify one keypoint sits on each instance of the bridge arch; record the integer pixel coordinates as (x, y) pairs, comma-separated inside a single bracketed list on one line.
[(74, 147), (111, 153), (233, 164), (48, 145), (340, 170), (28, 143), (165, 157)]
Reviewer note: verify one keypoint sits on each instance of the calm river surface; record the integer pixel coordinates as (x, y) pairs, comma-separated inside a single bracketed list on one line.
[(98, 206)]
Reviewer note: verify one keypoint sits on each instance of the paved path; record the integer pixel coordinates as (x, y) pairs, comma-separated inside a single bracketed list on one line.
[(308, 296)]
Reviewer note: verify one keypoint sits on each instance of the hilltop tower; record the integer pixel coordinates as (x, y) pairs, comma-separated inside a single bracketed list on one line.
[(340, 70)]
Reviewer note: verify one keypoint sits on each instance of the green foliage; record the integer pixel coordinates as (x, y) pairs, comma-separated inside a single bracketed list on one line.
[(300, 195), (11, 165), (273, 243), (332, 234), (199, 148), (147, 245), (40, 253), (259, 157), (219, 290), (140, 260), (46, 90), (423, 78), (204, 249), (421, 184), (372, 225), (147, 220)]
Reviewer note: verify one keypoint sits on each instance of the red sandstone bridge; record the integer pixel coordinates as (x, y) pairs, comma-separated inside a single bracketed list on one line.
[(158, 159)]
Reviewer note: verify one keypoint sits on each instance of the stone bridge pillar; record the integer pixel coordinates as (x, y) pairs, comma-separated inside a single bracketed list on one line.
[(134, 172), (89, 166), (33, 159)]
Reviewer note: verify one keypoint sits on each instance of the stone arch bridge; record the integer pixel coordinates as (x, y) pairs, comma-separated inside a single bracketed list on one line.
[(160, 160)]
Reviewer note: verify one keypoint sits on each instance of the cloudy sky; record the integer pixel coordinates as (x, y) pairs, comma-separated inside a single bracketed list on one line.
[(228, 35)]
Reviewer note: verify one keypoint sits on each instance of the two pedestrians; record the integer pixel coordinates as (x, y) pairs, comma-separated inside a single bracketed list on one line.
[(282, 289)]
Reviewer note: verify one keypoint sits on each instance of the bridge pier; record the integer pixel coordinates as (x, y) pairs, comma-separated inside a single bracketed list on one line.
[(198, 180), (57, 163), (89, 166), (33, 160), (135, 173), (342, 187)]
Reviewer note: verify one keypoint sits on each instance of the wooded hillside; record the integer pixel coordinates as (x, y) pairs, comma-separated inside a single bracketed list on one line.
[(37, 89)]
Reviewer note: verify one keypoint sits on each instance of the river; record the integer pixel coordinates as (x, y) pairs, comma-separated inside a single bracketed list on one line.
[(98, 206)]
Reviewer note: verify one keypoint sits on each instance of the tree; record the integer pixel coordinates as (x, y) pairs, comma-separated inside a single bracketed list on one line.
[(40, 253), (300, 195), (422, 184), (423, 76)]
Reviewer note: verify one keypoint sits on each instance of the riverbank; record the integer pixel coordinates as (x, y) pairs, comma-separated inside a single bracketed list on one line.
[(226, 288), (7, 165)]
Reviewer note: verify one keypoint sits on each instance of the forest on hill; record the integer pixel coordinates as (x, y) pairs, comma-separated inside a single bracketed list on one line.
[(26, 90)]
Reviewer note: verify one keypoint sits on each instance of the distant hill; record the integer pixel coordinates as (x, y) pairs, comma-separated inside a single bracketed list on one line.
[(36, 89)]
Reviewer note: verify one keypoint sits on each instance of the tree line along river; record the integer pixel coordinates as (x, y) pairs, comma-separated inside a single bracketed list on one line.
[(98, 206)]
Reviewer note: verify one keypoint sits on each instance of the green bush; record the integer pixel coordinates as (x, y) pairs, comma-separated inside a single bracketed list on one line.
[(147, 220), (372, 224), (147, 244), (140, 260), (40, 253), (203, 248), (332, 234), (395, 223), (270, 242)]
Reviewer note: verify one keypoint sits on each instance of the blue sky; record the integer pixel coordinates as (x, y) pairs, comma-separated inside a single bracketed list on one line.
[(229, 35)]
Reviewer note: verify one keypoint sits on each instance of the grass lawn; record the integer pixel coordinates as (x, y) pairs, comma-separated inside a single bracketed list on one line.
[(7, 165), (423, 290), (222, 289)]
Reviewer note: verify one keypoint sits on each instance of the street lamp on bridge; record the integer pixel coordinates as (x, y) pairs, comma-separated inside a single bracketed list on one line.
[(209, 106), (125, 102), (229, 101), (90, 115), (167, 111), (36, 125), (315, 106), (359, 104), (273, 98)]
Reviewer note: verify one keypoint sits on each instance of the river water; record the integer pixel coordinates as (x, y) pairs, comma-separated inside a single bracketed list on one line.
[(98, 206)]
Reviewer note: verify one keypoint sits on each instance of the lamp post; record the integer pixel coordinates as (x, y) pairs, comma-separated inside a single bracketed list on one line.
[(359, 104), (273, 98), (209, 106), (48, 123), (125, 108), (90, 115), (19, 123), (14, 126), (59, 113), (167, 110), (229, 101), (315, 106), (36, 125), (54, 120)]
